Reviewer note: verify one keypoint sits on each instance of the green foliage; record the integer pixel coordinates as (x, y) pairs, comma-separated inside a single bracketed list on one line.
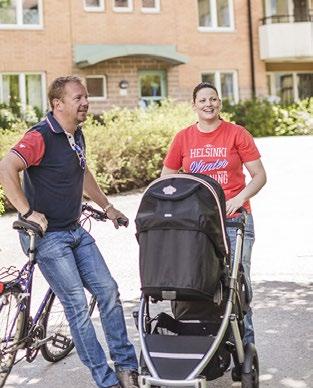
[(13, 114), (294, 119), (262, 118), (1, 201), (256, 115), (126, 148)]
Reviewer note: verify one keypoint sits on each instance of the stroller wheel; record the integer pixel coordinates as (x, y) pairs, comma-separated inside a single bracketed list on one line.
[(250, 369)]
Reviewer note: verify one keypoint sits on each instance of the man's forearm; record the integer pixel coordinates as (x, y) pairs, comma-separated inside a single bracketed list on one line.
[(93, 191), (10, 181)]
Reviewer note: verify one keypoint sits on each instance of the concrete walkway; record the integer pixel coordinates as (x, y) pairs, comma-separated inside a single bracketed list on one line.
[(282, 273)]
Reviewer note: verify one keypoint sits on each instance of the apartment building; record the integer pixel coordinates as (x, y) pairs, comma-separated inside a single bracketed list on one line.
[(133, 52)]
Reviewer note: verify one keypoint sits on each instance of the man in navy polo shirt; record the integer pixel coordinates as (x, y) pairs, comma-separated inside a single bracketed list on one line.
[(52, 156)]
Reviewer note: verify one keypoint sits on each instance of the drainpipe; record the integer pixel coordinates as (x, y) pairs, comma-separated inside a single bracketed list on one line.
[(251, 52)]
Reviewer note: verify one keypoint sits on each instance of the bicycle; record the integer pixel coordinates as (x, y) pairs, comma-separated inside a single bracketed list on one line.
[(48, 331)]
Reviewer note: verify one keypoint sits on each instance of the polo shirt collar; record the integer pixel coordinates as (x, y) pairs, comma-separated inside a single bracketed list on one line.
[(54, 124)]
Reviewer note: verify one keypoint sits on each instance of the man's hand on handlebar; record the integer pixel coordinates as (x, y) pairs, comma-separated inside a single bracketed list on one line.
[(39, 219), (117, 217)]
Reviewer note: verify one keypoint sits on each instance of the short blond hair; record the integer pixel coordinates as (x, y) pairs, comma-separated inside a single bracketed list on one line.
[(56, 89)]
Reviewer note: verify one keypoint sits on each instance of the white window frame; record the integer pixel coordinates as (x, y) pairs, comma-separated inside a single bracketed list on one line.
[(123, 9), (217, 81), (22, 87), (99, 8), (294, 81), (155, 9), (19, 19), (105, 93), (215, 27)]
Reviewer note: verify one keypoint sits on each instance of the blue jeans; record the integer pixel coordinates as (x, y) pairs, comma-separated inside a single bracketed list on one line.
[(70, 261), (246, 263)]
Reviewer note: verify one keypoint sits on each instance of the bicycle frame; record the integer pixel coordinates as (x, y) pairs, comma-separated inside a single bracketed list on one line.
[(24, 282)]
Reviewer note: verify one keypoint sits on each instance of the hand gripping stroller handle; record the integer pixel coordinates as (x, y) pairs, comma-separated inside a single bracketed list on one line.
[(241, 221)]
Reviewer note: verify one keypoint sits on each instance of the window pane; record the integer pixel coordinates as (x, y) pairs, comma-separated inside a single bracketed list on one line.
[(92, 3), (227, 86), (95, 87), (150, 85), (209, 77), (8, 12), (121, 3), (10, 88), (148, 4), (205, 17), (284, 87), (268, 85), (305, 85), (33, 90), (30, 12), (279, 7), (223, 17)]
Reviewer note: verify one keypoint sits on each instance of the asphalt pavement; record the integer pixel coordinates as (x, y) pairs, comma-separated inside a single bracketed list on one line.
[(282, 274)]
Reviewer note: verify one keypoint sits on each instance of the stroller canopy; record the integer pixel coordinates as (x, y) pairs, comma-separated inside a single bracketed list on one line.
[(182, 238)]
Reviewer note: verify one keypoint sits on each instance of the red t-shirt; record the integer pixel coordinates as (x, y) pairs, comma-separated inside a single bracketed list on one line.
[(219, 154)]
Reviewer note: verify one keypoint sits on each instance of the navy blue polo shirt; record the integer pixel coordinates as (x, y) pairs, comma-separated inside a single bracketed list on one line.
[(53, 178)]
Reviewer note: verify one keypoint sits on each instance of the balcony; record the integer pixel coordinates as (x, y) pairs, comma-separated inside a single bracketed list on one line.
[(282, 38)]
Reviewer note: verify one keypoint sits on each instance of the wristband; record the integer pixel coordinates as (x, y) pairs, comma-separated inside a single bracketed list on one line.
[(107, 207), (28, 213)]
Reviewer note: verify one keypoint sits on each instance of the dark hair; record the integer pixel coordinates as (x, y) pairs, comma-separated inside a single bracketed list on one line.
[(200, 86), (56, 89)]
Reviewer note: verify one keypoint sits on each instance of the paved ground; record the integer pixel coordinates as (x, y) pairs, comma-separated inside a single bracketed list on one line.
[(282, 273)]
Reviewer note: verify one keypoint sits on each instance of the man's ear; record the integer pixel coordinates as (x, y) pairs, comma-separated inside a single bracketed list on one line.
[(57, 104)]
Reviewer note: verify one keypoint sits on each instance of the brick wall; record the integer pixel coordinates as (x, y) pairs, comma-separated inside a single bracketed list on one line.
[(66, 23)]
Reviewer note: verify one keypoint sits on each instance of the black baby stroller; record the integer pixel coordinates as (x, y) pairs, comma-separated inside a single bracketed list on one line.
[(185, 259)]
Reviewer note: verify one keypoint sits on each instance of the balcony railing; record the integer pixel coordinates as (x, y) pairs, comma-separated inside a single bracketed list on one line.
[(273, 19)]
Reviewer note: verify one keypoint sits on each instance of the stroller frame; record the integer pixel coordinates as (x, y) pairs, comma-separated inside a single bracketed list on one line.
[(244, 359)]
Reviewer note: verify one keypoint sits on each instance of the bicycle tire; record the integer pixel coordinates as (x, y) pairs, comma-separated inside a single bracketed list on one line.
[(55, 323), (12, 321)]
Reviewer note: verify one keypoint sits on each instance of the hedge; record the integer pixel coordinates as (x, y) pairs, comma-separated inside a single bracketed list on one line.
[(125, 148)]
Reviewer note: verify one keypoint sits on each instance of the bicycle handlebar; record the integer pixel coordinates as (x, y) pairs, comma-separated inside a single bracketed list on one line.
[(89, 211), (99, 215)]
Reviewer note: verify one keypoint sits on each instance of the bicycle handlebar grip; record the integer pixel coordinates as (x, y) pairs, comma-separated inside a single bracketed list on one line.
[(122, 222)]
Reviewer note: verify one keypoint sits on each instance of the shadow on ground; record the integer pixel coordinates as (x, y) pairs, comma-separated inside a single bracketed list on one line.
[(283, 314)]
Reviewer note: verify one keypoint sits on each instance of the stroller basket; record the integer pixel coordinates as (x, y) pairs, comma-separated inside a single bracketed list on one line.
[(181, 234)]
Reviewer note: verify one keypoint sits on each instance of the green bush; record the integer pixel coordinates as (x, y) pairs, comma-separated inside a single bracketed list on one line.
[(263, 118), (256, 115), (294, 119), (126, 148), (1, 201), (13, 114)]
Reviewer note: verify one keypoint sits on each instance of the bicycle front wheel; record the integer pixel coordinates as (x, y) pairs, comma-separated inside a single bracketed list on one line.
[(12, 321), (56, 326)]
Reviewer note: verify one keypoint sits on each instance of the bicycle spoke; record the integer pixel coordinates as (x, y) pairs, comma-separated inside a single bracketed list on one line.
[(11, 330)]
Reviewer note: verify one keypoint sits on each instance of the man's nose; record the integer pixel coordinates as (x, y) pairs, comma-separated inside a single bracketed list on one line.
[(85, 101)]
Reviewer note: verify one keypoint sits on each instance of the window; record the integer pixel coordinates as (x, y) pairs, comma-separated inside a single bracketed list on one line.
[(152, 86), (20, 13), (225, 83), (291, 86), (150, 6), (279, 11), (215, 15), (28, 89), (123, 5), (94, 5), (305, 85), (96, 86)]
